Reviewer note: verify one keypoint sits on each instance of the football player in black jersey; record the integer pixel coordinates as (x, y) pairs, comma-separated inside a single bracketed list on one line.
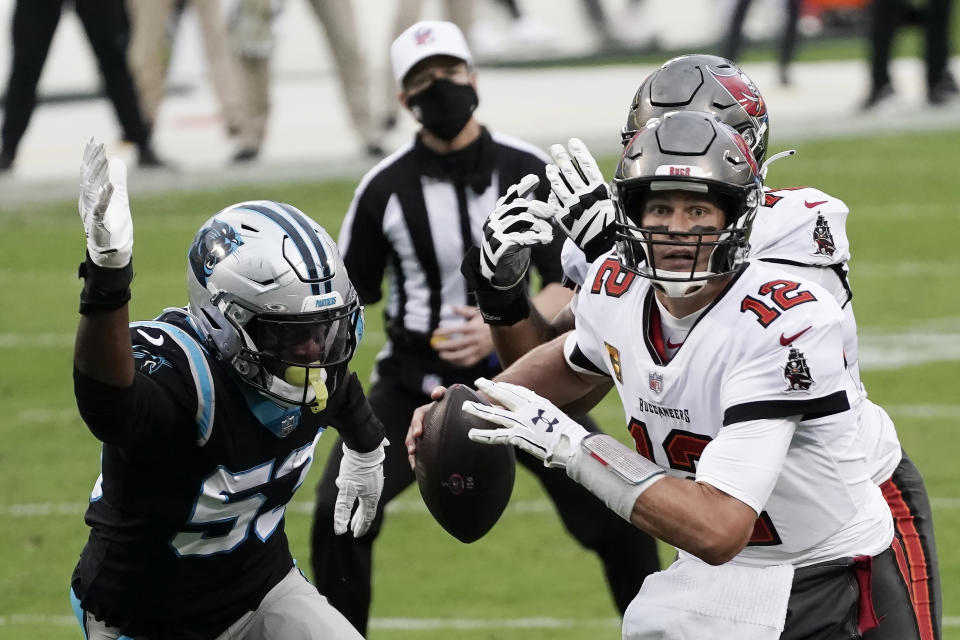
[(209, 416)]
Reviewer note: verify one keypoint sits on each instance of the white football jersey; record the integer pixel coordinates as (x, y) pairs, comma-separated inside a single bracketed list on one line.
[(769, 348), (804, 231)]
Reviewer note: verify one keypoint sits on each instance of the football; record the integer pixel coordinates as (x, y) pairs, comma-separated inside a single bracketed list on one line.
[(465, 485)]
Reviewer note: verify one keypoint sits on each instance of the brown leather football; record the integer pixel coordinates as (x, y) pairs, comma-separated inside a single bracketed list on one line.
[(465, 485)]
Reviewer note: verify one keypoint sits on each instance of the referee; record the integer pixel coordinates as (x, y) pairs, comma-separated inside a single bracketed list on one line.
[(413, 216)]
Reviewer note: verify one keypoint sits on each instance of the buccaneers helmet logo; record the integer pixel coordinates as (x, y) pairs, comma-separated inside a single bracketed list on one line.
[(743, 91)]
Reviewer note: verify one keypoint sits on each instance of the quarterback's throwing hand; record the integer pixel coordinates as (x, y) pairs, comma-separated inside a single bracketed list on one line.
[(515, 225), (105, 208), (586, 211), (360, 481), (531, 423)]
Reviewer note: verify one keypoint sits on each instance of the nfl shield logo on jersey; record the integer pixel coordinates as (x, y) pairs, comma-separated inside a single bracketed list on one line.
[(288, 424), (656, 382)]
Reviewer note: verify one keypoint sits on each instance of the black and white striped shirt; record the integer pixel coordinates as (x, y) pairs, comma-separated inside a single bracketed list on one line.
[(415, 214)]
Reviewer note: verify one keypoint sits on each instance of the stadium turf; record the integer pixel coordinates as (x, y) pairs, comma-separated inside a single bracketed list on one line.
[(526, 579)]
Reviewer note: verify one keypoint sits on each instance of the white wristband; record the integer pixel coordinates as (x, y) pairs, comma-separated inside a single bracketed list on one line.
[(612, 472)]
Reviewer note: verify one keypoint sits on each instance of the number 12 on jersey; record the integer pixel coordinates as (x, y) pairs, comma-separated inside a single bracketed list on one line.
[(784, 295)]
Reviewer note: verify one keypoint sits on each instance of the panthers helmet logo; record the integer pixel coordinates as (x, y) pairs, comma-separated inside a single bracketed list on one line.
[(212, 244)]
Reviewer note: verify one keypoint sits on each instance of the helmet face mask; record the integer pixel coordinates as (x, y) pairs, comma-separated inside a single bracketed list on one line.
[(694, 154), (272, 297), (703, 83)]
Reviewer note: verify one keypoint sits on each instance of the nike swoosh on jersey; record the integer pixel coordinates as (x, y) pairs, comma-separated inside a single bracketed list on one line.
[(785, 341), (670, 345), (154, 341), (811, 205)]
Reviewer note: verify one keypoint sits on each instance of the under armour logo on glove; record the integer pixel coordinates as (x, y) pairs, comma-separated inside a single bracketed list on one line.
[(586, 211), (518, 408), (550, 423), (514, 226)]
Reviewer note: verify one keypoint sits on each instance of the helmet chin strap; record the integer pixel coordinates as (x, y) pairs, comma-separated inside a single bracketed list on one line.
[(695, 282)]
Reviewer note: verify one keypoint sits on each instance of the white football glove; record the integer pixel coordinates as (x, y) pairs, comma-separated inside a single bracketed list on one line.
[(105, 208), (532, 423), (361, 481), (586, 211), (515, 225)]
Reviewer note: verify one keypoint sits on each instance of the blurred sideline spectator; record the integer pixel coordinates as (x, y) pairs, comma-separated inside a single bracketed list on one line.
[(108, 29), (337, 19), (149, 56), (887, 15), (733, 44), (251, 37)]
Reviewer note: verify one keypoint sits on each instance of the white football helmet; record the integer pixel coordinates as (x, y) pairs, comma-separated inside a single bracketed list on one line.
[(271, 295)]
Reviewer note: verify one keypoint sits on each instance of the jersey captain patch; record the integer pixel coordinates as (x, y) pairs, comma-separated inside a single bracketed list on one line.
[(614, 354), (797, 372)]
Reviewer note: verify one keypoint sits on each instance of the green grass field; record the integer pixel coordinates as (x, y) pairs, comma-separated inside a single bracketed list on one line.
[(526, 579)]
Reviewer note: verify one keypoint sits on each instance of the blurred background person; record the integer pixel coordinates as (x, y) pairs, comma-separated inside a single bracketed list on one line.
[(733, 43), (251, 37), (149, 55), (108, 29), (887, 16), (459, 12), (336, 17)]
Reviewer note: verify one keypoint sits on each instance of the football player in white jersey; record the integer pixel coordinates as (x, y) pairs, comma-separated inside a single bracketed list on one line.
[(731, 373), (801, 229)]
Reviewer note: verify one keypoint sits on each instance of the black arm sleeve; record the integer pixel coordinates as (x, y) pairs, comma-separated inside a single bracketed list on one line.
[(365, 254), (140, 414), (350, 414)]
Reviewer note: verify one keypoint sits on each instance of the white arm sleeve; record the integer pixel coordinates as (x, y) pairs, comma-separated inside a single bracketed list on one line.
[(745, 459)]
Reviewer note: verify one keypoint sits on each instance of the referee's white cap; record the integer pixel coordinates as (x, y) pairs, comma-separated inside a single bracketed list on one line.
[(424, 39)]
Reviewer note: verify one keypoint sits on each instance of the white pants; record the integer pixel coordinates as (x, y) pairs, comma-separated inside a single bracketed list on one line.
[(292, 610), (692, 600)]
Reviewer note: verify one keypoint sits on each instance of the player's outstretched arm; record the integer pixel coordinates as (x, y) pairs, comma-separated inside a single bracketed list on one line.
[(693, 516), (585, 211), (495, 272), (103, 350)]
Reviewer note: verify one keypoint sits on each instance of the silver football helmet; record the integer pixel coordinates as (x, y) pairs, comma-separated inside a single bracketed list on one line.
[(686, 151), (271, 296), (703, 83)]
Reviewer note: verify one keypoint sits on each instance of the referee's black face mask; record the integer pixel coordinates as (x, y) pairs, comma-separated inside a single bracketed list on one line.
[(444, 107)]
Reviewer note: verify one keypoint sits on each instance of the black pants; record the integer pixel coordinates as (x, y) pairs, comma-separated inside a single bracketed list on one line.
[(108, 29), (887, 16), (342, 564), (825, 601), (788, 41), (917, 551)]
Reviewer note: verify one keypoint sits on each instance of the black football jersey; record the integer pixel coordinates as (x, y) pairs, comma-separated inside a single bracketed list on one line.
[(187, 515)]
